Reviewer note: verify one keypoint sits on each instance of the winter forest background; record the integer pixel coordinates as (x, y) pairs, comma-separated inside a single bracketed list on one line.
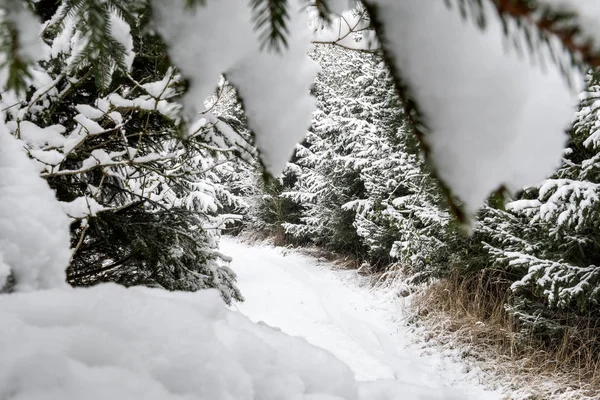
[(422, 142)]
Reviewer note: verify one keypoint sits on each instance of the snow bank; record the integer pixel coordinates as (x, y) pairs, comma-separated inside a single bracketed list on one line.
[(117, 343), (110, 342), (34, 231)]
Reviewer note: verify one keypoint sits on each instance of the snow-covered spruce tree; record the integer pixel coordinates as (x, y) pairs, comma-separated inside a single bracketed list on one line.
[(329, 161), (265, 210), (554, 247), (269, 211), (144, 203), (362, 186), (259, 196), (402, 218)]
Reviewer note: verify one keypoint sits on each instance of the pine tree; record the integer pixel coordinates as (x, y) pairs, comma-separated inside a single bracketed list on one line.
[(330, 176)]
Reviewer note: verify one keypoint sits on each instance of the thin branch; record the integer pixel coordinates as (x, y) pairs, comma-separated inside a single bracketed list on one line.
[(565, 28), (99, 270), (335, 43)]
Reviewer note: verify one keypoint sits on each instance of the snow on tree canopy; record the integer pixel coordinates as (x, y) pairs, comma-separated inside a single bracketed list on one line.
[(34, 231), (274, 87), (109, 342), (497, 117)]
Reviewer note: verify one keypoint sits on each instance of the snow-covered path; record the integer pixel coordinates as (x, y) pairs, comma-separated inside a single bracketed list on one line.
[(304, 297)]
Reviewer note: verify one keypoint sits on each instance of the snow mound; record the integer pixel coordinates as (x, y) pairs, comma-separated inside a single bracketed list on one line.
[(138, 343), (34, 231)]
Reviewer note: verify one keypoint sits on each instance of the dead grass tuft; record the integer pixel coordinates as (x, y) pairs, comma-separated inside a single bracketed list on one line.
[(469, 312)]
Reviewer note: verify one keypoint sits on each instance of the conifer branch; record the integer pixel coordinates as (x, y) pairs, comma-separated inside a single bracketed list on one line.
[(412, 112), (563, 25), (16, 61), (538, 23), (323, 9), (270, 18), (352, 30)]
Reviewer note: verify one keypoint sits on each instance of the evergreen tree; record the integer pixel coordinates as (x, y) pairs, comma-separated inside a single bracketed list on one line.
[(146, 202), (363, 188), (330, 165), (98, 32), (552, 241)]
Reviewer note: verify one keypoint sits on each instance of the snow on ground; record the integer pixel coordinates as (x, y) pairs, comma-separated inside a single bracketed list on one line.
[(108, 341), (330, 309)]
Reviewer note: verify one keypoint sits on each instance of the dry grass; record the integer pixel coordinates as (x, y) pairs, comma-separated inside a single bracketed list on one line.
[(469, 312)]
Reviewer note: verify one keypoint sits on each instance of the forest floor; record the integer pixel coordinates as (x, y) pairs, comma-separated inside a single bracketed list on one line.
[(338, 310)]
